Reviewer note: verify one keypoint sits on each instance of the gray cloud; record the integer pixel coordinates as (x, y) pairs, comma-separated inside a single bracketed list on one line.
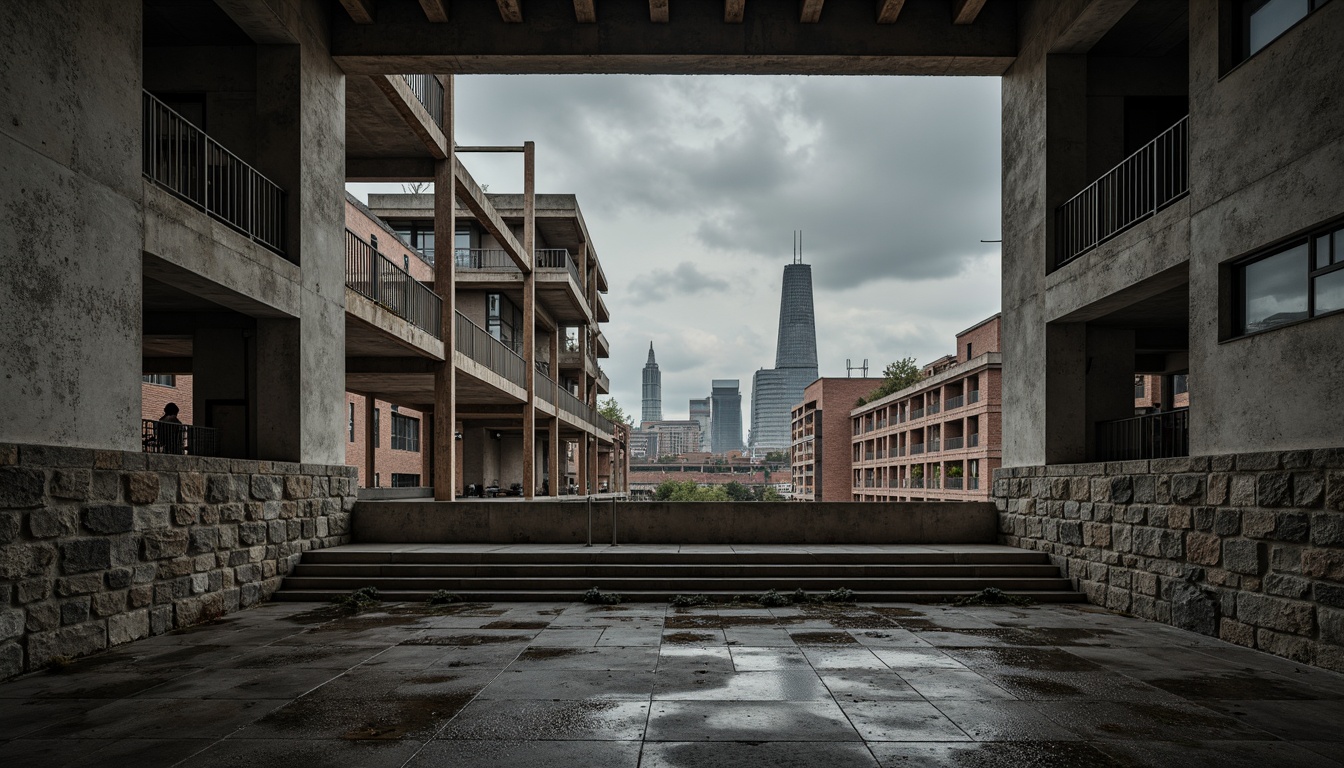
[(683, 280)]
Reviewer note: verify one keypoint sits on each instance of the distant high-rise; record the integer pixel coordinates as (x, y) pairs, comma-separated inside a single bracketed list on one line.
[(702, 411), (725, 426), (774, 391), (653, 390)]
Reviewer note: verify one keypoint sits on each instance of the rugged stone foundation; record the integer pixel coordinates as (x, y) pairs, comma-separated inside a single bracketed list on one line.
[(1245, 547), (98, 548)]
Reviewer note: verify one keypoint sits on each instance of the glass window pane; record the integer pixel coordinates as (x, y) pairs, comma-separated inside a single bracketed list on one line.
[(1273, 19), (1323, 251), (1339, 246), (1330, 292), (1276, 290)]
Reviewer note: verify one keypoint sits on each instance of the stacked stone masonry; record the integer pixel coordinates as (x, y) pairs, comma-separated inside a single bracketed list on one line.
[(1245, 547), (99, 548)]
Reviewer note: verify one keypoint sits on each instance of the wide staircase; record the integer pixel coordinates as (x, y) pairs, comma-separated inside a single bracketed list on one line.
[(653, 573)]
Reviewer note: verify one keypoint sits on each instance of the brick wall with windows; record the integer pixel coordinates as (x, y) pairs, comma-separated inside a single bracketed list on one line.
[(154, 396), (388, 460)]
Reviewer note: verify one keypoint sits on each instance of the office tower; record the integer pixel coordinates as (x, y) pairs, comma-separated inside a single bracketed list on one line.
[(726, 416), (774, 391), (701, 412), (653, 390)]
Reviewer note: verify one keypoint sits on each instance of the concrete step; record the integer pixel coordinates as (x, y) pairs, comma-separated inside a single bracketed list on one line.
[(663, 596), (680, 585), (553, 570)]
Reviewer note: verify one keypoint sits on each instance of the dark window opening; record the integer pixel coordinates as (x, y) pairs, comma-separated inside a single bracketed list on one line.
[(405, 433), (160, 379), (352, 422), (403, 480), (1257, 23), (504, 321), (376, 436), (1297, 281), (418, 235)]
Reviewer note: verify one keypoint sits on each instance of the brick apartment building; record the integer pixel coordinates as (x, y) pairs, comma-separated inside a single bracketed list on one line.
[(821, 444), (938, 440)]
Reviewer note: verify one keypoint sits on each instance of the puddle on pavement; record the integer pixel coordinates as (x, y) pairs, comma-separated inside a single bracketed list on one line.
[(395, 719), (1039, 686), (550, 653), (1161, 714), (823, 638), (516, 625), (689, 638), (1035, 659), (1219, 687), (460, 640)]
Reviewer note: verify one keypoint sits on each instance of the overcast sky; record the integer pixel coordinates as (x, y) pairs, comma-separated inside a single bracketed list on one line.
[(693, 186)]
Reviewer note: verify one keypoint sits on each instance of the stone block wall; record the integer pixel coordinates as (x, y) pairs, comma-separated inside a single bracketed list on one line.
[(1245, 547), (99, 548)]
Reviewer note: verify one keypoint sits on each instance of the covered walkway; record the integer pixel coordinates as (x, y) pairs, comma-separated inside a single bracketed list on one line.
[(644, 684)]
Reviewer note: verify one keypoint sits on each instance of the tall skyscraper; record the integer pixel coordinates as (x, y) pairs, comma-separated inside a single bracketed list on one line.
[(774, 391), (701, 412), (725, 399), (653, 390)]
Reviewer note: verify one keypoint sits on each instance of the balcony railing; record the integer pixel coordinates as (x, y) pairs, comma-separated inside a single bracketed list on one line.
[(373, 275), (485, 259), (916, 413), (916, 482), (916, 449), (429, 92), (974, 397), (181, 158), (954, 402), (576, 407), (1141, 185), (973, 440), (476, 343), (173, 437), (545, 388), (559, 258), (933, 446), (932, 408), (603, 423), (954, 443), (953, 483), (1161, 435), (972, 483)]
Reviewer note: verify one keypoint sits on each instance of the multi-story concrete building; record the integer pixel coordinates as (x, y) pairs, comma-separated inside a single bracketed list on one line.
[(702, 413), (651, 404), (939, 439), (725, 398), (820, 453), (774, 391), (670, 438)]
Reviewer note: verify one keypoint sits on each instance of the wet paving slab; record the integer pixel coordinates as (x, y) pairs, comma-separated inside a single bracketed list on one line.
[(535, 684)]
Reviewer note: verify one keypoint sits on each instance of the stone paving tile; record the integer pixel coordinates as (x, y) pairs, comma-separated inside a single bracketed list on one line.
[(527, 684)]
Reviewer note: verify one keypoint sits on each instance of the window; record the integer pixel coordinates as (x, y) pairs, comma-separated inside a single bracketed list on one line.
[(504, 321), (160, 379), (377, 481), (402, 480), (1139, 388), (968, 351), (417, 234), (376, 436), (1260, 22), (1180, 384), (352, 422), (1302, 279), (405, 433)]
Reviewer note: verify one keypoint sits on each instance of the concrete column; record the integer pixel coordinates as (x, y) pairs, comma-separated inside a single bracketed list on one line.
[(1110, 379), (583, 363), (222, 368), (592, 463), (300, 145), (445, 285), (530, 320), (1064, 427), (71, 245), (370, 441), (582, 475), (553, 456)]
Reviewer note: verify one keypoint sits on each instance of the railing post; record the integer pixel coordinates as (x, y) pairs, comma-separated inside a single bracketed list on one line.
[(590, 522)]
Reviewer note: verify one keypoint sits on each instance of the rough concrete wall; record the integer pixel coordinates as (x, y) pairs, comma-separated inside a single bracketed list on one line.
[(1245, 547), (70, 247), (99, 548), (1267, 161)]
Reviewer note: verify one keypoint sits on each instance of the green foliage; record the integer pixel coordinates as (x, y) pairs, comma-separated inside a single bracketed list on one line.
[(773, 599), (613, 411), (896, 376), (993, 596), (689, 601), (738, 492), (687, 490), (916, 471), (954, 471), (359, 599), (767, 493), (444, 597), (841, 595), (777, 457), (596, 596)]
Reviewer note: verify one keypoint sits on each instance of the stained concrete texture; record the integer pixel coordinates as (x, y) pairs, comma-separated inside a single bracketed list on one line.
[(536, 684)]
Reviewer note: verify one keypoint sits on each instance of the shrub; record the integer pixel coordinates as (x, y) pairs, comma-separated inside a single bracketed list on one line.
[(596, 596), (359, 599), (444, 597)]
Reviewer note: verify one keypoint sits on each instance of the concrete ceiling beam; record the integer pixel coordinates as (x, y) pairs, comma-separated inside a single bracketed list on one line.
[(398, 92), (361, 11), (658, 12), (811, 11), (585, 11), (733, 10), (390, 365), (965, 11), (1090, 25), (889, 10), (510, 11), (435, 10)]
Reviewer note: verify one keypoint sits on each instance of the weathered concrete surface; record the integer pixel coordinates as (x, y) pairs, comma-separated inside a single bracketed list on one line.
[(555, 522), (1245, 547), (70, 243), (98, 548)]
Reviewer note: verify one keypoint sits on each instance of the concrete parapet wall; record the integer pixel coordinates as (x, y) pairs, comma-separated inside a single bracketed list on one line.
[(1246, 547), (99, 548), (671, 522)]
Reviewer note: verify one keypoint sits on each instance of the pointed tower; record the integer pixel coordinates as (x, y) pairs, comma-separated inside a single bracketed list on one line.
[(653, 390), (776, 390)]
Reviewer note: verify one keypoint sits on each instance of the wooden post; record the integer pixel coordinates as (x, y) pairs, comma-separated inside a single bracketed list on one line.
[(530, 321), (445, 285)]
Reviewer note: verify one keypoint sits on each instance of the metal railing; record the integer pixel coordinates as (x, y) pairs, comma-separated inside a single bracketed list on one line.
[(429, 92), (916, 449), (476, 343), (559, 258), (973, 440), (373, 275), (953, 443), (183, 159), (954, 402), (916, 482), (174, 437), (545, 388), (1161, 435), (972, 483), (932, 408), (1141, 185), (916, 413), (576, 407), (952, 483), (487, 259), (933, 445), (974, 397)]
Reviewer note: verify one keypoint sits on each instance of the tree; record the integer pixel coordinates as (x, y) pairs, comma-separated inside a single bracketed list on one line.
[(777, 457), (417, 187), (768, 493), (896, 376), (738, 492), (687, 490), (613, 411)]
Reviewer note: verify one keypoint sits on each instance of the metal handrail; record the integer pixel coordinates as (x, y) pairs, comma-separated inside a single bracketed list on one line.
[(175, 437), (1161, 435), (916, 413), (1152, 178), (429, 92), (954, 402), (485, 259), (953, 443), (572, 405), (559, 258), (373, 275), (183, 159), (477, 344), (545, 388)]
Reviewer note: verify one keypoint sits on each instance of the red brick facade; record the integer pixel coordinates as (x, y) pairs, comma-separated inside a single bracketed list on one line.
[(387, 460), (820, 448), (153, 397)]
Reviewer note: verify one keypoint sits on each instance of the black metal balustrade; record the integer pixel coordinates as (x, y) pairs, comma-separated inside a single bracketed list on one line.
[(974, 397), (917, 413), (1141, 185), (183, 159), (559, 258), (953, 443), (1160, 435), (544, 387), (173, 437), (477, 344), (916, 448), (572, 405), (954, 402), (485, 259), (383, 281), (429, 92), (973, 440), (953, 483)]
